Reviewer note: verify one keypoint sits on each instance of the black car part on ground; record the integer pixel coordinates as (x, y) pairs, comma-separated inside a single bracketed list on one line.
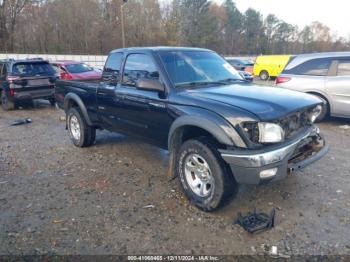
[(256, 222), (21, 122)]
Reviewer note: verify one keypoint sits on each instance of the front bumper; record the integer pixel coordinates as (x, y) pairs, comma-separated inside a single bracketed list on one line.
[(247, 166)]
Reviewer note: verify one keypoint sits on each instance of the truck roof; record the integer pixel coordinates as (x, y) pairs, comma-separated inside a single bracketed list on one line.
[(159, 48)]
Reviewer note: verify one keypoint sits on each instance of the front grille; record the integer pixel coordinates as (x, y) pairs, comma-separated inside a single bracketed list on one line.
[(292, 124)]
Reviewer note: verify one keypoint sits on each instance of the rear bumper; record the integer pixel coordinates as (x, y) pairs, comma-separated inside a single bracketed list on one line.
[(247, 166), (45, 92)]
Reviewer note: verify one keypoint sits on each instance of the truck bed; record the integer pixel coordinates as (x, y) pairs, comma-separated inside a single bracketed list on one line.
[(85, 89)]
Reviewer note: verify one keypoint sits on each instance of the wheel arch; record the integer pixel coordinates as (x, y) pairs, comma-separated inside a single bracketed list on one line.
[(323, 96), (189, 127), (72, 100)]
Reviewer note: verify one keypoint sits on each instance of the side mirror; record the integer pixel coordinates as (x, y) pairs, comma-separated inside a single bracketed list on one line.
[(150, 85)]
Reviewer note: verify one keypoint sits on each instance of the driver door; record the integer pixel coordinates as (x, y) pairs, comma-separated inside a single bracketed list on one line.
[(143, 112)]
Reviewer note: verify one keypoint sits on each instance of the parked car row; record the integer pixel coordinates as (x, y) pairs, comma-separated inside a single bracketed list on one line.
[(28, 79)]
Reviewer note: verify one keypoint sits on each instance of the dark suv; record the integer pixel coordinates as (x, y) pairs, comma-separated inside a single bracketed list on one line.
[(26, 80)]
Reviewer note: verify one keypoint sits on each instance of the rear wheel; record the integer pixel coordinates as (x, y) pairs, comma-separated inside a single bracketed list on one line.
[(204, 177), (264, 75), (81, 134), (5, 102)]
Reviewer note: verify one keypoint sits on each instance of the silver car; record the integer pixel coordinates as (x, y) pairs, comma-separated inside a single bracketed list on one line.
[(326, 75)]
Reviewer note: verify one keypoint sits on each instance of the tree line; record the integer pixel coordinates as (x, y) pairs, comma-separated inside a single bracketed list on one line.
[(94, 27)]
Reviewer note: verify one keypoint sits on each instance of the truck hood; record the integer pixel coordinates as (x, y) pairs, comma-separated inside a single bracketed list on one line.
[(267, 103)]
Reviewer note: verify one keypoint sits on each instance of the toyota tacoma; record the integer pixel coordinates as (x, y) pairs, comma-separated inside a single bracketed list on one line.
[(220, 130)]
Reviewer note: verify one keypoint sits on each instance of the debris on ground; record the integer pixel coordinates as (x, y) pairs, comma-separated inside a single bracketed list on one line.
[(255, 222), (273, 251), (149, 207), (344, 127), (3, 182), (62, 118), (58, 221), (21, 122)]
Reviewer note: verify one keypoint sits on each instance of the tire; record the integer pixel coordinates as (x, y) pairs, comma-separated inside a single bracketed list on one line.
[(81, 134), (325, 111), (264, 75), (219, 185), (6, 103)]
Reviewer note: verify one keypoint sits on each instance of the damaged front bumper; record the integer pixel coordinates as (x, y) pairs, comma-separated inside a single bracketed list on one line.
[(255, 167)]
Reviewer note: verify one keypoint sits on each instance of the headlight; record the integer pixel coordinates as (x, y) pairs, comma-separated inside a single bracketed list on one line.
[(315, 113), (270, 133)]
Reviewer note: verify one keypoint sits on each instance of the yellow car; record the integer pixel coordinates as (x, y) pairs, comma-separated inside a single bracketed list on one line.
[(267, 66)]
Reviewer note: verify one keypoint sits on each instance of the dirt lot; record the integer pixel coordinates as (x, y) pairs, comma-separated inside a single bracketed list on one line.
[(58, 199)]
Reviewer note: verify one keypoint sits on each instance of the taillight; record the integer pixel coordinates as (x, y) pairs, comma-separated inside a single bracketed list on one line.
[(282, 79), (66, 76), (12, 92)]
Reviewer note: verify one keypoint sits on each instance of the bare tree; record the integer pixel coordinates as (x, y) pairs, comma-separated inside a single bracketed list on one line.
[(94, 27)]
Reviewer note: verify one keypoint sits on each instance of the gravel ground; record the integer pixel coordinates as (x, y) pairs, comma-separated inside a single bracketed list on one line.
[(115, 198)]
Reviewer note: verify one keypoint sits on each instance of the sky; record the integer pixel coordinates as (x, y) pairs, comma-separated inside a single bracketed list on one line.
[(333, 13)]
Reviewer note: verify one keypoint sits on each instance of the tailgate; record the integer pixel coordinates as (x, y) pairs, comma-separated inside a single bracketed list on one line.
[(34, 83)]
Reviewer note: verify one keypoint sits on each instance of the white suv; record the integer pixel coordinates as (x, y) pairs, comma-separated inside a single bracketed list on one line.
[(326, 75)]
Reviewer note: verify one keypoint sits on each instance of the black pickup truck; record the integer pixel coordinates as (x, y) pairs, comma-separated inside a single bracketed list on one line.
[(220, 130)]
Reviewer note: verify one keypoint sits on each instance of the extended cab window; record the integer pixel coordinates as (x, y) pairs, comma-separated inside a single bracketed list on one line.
[(138, 66), (315, 67), (113, 63), (343, 68)]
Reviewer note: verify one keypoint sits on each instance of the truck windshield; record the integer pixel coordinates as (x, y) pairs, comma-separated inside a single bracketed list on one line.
[(196, 68)]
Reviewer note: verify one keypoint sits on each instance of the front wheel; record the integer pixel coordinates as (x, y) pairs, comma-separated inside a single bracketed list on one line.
[(325, 111), (5, 102), (204, 177), (81, 134)]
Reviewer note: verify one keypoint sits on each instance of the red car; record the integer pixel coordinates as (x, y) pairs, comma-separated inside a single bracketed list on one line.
[(75, 70)]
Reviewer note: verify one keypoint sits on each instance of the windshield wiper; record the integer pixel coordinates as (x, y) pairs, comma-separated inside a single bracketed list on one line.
[(195, 84), (229, 80)]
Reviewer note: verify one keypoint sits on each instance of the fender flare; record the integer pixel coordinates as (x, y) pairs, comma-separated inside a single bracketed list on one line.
[(218, 128), (74, 97)]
